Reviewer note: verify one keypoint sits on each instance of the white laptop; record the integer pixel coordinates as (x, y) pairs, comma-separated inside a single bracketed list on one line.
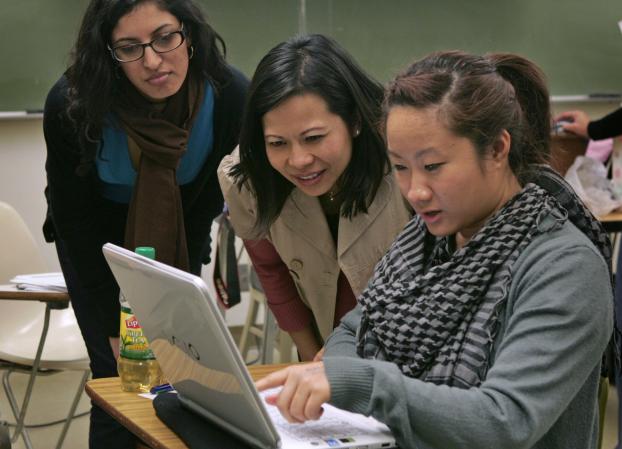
[(200, 359)]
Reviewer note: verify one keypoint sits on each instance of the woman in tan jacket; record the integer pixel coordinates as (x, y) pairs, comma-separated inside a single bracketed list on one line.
[(310, 190)]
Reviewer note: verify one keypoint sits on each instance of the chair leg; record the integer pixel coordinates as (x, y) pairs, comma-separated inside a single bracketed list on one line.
[(15, 409), (5, 439), (72, 409), (251, 316), (270, 330), (20, 417), (285, 347)]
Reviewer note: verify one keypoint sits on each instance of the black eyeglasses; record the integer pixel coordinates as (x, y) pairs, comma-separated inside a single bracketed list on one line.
[(161, 44)]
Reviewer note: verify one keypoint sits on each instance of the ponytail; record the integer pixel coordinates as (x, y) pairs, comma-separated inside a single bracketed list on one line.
[(532, 94)]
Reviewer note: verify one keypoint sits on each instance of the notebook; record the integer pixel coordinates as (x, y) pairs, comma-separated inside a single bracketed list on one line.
[(198, 356), (44, 282)]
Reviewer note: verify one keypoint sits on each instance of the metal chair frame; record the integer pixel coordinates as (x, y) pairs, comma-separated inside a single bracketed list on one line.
[(19, 412), (19, 355)]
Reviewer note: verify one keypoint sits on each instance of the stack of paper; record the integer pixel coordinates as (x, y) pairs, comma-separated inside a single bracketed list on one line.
[(40, 282)]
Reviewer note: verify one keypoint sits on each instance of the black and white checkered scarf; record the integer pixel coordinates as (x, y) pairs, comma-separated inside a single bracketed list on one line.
[(435, 313)]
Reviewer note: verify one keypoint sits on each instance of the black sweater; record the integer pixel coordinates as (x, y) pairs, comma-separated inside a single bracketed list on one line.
[(84, 220), (608, 126)]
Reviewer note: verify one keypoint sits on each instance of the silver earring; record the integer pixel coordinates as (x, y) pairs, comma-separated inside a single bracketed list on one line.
[(357, 132), (191, 52)]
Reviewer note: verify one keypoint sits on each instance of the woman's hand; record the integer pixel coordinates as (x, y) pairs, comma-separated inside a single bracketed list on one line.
[(577, 122), (319, 355), (305, 389), (306, 343)]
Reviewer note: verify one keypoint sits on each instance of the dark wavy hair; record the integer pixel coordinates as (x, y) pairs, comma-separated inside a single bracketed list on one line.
[(93, 75), (312, 64), (478, 97)]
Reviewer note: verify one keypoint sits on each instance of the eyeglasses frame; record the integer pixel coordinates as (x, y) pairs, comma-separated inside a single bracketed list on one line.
[(181, 31)]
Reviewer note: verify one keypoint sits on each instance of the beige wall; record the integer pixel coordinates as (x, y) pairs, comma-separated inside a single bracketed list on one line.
[(22, 177), (594, 109), (22, 180)]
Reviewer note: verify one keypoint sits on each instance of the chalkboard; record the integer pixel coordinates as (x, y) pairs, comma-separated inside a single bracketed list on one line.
[(35, 39), (576, 42)]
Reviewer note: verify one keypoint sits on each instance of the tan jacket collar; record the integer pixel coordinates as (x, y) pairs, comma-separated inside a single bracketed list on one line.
[(304, 216)]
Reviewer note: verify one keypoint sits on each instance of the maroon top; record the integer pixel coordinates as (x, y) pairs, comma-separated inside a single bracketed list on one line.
[(281, 293)]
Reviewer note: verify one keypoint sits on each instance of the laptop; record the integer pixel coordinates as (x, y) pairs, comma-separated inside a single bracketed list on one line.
[(198, 356)]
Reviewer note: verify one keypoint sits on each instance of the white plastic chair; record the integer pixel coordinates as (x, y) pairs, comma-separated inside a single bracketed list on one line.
[(29, 329)]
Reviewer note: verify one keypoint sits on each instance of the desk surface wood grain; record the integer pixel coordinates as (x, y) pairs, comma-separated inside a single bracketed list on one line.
[(10, 291), (611, 217), (137, 413)]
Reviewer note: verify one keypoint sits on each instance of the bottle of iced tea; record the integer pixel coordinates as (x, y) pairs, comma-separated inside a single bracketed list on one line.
[(137, 366)]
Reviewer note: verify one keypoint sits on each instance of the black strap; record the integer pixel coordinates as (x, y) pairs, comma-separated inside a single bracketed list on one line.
[(226, 277)]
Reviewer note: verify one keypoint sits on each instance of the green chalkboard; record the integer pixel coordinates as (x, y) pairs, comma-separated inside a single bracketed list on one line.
[(35, 39), (576, 42)]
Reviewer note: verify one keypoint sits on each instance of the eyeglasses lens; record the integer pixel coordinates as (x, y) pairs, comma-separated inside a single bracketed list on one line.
[(165, 43)]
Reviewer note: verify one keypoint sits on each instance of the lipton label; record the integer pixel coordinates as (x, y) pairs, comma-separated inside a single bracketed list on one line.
[(132, 323), (132, 342)]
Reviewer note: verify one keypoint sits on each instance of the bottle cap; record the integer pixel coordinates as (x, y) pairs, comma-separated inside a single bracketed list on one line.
[(147, 251)]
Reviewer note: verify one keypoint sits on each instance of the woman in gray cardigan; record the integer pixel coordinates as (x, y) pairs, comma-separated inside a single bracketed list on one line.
[(485, 323)]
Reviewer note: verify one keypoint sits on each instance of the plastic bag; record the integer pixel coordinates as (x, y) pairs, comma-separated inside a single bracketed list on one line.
[(588, 178), (599, 149)]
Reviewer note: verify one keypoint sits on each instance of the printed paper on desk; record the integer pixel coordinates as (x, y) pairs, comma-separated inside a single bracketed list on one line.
[(335, 425), (40, 282)]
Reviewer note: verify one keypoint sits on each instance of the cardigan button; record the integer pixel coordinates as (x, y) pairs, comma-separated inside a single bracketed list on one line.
[(295, 265)]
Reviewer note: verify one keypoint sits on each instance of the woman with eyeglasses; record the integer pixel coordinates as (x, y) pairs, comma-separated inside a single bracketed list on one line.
[(135, 130)]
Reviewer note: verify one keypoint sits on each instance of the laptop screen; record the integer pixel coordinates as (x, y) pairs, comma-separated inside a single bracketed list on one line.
[(192, 344), (199, 358)]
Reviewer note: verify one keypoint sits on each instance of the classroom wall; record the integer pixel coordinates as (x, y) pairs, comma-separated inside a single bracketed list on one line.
[(575, 51), (22, 179), (22, 176)]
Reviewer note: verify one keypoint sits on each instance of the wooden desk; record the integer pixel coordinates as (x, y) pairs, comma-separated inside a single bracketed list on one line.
[(10, 291), (612, 217), (612, 222), (137, 413)]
